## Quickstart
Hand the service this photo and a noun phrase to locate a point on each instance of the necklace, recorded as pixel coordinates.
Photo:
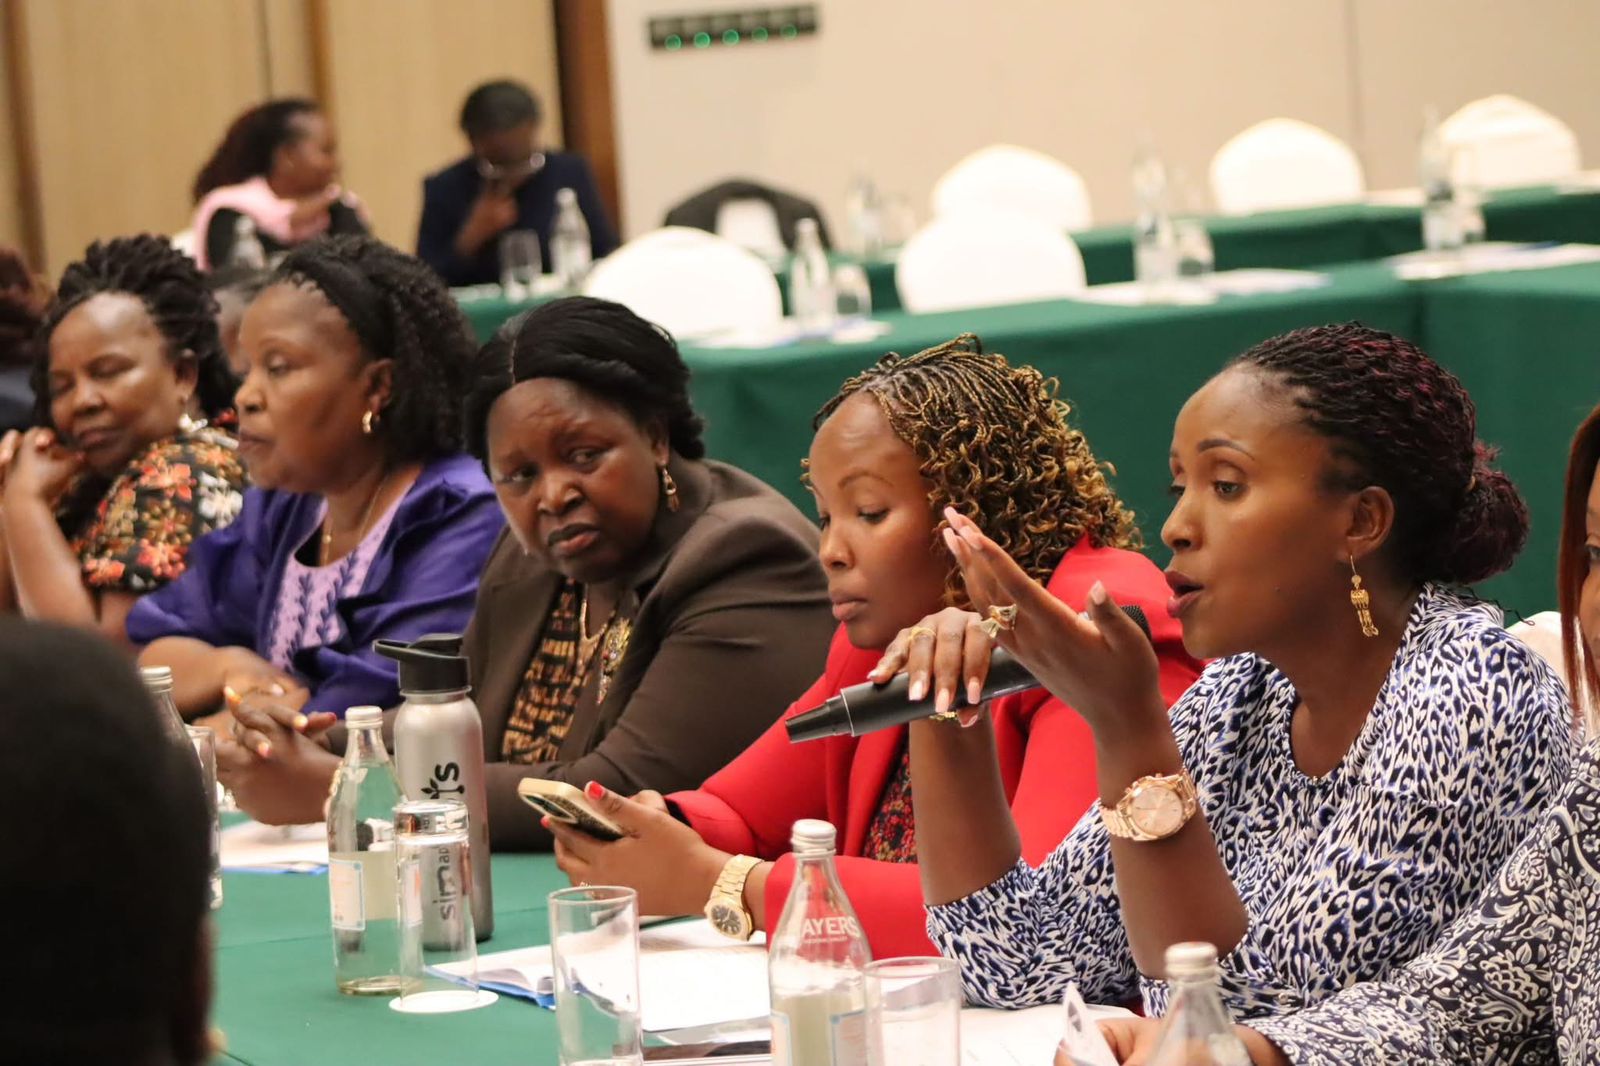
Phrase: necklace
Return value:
(587, 644)
(361, 530)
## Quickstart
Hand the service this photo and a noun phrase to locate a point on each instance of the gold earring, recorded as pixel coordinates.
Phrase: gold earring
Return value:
(669, 488)
(368, 420)
(1361, 600)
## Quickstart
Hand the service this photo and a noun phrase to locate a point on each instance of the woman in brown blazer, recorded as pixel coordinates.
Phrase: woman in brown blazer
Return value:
(647, 613)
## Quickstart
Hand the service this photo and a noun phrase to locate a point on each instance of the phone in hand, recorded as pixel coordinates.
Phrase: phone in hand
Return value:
(560, 802)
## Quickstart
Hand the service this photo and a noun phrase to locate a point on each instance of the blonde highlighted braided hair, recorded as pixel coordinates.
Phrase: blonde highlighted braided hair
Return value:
(993, 441)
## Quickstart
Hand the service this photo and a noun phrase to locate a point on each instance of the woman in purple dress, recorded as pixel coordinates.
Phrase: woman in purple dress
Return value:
(366, 520)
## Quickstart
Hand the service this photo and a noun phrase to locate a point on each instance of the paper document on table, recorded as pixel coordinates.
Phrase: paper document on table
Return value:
(252, 846)
(689, 975)
(1490, 257)
(1019, 1037)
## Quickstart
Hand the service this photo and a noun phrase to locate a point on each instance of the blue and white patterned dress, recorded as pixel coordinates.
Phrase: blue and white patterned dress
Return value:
(1344, 877)
(1515, 980)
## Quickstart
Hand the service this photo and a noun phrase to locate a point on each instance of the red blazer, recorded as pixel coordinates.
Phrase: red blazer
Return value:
(1046, 759)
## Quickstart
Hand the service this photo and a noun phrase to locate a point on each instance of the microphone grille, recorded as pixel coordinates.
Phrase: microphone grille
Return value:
(1137, 614)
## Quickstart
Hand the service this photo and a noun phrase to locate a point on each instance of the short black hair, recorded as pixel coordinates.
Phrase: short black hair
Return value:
(105, 881)
(399, 310)
(600, 346)
(246, 149)
(174, 294)
(498, 105)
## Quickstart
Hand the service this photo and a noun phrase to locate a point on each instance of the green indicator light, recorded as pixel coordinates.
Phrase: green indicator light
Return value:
(730, 36)
(673, 42)
(758, 34)
(790, 33)
(702, 40)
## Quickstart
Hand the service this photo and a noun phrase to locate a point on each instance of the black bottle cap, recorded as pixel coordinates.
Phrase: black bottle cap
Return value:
(429, 664)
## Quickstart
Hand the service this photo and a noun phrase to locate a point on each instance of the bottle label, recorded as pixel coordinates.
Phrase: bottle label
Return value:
(850, 1039)
(345, 895)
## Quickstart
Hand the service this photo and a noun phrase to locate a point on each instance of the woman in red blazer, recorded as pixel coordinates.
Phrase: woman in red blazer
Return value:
(948, 425)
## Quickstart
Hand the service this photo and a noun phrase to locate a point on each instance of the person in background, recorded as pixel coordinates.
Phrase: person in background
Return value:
(274, 176)
(1513, 979)
(234, 287)
(23, 298)
(508, 182)
(648, 612)
(1366, 748)
(101, 504)
(106, 879)
(951, 426)
(365, 519)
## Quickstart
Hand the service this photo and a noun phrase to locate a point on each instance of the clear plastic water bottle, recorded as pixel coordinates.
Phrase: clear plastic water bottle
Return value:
(1155, 247)
(247, 248)
(815, 958)
(158, 683)
(362, 886)
(811, 297)
(864, 209)
(1441, 214)
(570, 251)
(1197, 1030)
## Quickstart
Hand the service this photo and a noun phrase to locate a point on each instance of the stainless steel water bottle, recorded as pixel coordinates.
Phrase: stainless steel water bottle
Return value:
(438, 746)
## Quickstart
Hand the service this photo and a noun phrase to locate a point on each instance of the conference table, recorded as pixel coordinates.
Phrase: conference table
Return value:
(1305, 238)
(277, 1004)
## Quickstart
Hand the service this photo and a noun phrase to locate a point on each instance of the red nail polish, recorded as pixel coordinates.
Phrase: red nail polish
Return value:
(594, 790)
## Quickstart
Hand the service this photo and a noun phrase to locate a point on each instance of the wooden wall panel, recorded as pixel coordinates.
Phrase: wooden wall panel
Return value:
(290, 50)
(13, 224)
(126, 101)
(397, 71)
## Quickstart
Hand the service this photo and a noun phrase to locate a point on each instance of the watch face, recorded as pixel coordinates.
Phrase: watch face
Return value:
(729, 921)
(1156, 810)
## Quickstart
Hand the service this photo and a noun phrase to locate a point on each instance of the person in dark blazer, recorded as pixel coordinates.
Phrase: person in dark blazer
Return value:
(508, 182)
(647, 614)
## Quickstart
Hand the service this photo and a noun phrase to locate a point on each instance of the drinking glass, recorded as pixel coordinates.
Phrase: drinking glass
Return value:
(205, 753)
(913, 1012)
(594, 947)
(438, 951)
(520, 263)
(1196, 259)
(852, 292)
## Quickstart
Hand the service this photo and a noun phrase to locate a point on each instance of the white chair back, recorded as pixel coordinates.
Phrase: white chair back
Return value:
(753, 226)
(979, 258)
(1542, 633)
(1284, 163)
(690, 282)
(1009, 178)
(1504, 141)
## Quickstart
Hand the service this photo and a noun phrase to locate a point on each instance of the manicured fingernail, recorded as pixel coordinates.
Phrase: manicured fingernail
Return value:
(264, 750)
(301, 721)
(1097, 594)
(950, 539)
(276, 689)
(974, 691)
(594, 790)
(544, 820)
(919, 689)
(941, 702)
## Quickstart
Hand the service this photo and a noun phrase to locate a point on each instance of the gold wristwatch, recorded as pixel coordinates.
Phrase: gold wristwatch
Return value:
(1153, 808)
(725, 910)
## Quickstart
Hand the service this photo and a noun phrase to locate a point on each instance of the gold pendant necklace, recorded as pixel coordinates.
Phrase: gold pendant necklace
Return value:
(361, 530)
(587, 644)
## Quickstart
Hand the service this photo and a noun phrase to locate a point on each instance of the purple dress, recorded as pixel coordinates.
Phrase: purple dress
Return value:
(421, 576)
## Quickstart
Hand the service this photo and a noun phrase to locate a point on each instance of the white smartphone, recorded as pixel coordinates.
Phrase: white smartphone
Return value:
(563, 803)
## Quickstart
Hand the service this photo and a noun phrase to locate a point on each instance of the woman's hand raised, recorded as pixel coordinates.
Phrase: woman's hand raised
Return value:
(1099, 663)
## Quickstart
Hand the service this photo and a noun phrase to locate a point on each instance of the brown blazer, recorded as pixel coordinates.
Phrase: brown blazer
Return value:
(731, 622)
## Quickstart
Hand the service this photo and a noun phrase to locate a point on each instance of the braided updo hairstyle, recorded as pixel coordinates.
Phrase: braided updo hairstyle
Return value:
(602, 347)
(1399, 420)
(175, 296)
(993, 442)
(247, 148)
(399, 310)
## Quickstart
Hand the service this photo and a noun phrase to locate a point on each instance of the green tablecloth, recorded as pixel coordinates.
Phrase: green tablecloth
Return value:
(1315, 237)
(277, 1003)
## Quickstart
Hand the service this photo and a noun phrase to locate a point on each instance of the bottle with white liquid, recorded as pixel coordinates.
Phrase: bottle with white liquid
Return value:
(364, 900)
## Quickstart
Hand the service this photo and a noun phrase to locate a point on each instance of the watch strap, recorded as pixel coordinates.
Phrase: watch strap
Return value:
(1120, 824)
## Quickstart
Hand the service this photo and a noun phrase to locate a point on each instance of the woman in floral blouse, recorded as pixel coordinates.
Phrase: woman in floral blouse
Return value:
(100, 502)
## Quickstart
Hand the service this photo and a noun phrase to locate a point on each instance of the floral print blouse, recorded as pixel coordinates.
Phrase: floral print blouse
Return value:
(134, 536)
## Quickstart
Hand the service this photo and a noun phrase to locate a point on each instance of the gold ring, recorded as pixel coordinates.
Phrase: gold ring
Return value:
(1004, 616)
(919, 631)
(990, 627)
(944, 716)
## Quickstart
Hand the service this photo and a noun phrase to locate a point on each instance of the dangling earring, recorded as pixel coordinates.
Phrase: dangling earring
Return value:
(669, 488)
(1361, 600)
(368, 421)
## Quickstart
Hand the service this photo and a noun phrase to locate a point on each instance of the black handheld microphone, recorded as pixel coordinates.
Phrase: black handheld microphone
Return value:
(867, 707)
